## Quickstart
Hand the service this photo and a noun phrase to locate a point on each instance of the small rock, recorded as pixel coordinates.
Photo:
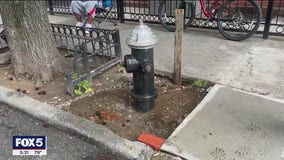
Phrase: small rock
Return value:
(92, 118)
(209, 89)
(263, 92)
(38, 84)
(27, 76)
(156, 154)
(98, 84)
(120, 70)
(165, 91)
(179, 120)
(177, 89)
(185, 115)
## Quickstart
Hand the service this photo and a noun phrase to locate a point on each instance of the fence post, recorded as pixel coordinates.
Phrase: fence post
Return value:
(50, 6)
(117, 48)
(179, 14)
(120, 6)
(268, 19)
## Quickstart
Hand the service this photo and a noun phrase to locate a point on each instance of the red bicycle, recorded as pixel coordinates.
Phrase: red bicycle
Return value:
(236, 19)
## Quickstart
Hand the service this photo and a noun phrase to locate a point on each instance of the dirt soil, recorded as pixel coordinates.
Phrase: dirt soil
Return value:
(110, 103)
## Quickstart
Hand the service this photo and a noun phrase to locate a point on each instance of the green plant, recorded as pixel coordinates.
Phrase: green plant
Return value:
(42, 82)
(74, 75)
(200, 83)
(83, 87)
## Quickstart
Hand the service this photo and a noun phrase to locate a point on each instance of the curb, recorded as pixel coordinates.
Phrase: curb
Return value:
(100, 136)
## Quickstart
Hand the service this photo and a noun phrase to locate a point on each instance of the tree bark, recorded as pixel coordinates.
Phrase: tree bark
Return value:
(33, 49)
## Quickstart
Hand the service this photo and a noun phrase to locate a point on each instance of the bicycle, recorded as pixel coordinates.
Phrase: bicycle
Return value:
(236, 19)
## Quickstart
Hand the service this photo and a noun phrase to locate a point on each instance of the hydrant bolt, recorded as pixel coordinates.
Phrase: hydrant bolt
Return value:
(147, 68)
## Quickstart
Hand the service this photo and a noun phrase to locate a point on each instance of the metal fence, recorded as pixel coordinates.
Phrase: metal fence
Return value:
(92, 51)
(133, 10)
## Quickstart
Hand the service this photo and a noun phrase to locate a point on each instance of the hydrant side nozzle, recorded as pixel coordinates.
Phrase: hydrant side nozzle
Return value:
(130, 63)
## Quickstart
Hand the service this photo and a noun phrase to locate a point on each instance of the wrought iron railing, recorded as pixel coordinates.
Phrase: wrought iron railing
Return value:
(133, 10)
(93, 51)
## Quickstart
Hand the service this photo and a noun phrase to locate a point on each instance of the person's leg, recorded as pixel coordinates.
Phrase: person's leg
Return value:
(91, 11)
(90, 19)
(77, 8)
(78, 17)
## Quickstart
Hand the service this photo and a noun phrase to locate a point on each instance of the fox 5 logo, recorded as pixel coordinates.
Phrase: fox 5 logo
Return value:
(29, 142)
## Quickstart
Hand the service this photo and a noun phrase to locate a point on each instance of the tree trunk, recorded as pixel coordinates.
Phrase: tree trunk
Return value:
(33, 49)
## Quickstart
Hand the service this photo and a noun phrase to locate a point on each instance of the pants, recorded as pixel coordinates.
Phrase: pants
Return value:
(85, 8)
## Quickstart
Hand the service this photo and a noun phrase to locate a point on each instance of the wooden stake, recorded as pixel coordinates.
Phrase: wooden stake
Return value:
(178, 46)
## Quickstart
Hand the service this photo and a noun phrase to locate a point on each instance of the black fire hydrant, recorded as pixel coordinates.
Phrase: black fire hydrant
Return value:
(140, 63)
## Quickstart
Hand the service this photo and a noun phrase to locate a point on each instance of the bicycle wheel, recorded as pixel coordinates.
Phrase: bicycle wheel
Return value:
(238, 19)
(166, 13)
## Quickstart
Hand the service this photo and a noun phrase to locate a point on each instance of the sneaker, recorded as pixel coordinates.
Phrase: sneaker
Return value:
(79, 24)
(88, 28)
(88, 25)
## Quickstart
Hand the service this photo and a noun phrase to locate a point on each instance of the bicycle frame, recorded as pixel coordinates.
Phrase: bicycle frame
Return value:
(216, 5)
(204, 10)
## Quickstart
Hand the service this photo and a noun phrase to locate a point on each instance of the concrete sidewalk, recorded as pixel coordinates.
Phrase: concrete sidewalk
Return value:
(254, 65)
(230, 124)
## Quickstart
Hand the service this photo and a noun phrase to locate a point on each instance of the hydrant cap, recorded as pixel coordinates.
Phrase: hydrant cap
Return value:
(142, 37)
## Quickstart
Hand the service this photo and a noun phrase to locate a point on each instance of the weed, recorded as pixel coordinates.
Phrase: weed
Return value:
(74, 75)
(200, 83)
(42, 82)
(83, 87)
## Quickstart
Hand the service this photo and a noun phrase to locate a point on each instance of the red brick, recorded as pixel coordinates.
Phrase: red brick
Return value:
(151, 140)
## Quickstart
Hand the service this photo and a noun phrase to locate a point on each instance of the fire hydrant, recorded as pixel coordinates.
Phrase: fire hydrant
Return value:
(140, 63)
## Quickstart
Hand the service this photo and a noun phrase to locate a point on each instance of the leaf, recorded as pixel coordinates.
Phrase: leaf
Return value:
(78, 92)
(89, 90)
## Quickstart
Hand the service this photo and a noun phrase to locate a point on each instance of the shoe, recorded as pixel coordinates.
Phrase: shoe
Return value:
(88, 28)
(79, 24)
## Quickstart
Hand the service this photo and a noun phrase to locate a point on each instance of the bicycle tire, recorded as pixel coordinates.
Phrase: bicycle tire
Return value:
(247, 17)
(169, 22)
